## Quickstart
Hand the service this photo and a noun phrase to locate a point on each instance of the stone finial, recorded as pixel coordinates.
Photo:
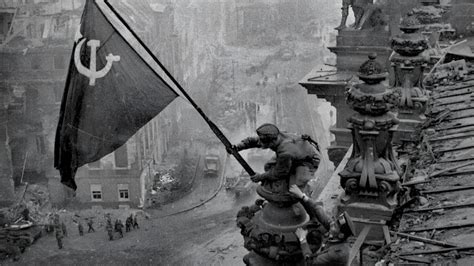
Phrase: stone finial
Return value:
(410, 23)
(371, 71)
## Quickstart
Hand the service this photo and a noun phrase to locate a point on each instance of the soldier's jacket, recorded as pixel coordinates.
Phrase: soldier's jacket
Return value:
(292, 152)
(109, 226)
(59, 232)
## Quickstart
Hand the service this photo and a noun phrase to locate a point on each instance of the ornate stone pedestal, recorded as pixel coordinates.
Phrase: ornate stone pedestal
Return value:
(353, 47)
(371, 176)
(269, 232)
(408, 65)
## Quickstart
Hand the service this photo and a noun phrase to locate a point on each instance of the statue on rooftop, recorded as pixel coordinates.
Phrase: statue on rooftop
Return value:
(366, 14)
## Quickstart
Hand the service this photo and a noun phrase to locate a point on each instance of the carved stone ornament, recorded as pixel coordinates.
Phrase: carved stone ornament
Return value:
(411, 42)
(408, 65)
(372, 170)
(371, 71)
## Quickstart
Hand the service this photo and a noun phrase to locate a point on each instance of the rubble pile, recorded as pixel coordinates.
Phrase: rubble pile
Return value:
(449, 73)
(173, 181)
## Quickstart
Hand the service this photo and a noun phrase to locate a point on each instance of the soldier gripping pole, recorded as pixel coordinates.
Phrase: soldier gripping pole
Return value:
(213, 126)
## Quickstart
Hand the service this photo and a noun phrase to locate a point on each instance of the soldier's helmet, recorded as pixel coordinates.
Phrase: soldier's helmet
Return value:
(267, 132)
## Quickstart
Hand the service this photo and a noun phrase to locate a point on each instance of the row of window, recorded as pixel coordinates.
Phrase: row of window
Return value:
(122, 192)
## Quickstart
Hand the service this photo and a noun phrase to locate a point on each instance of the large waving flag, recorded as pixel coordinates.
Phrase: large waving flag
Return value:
(114, 87)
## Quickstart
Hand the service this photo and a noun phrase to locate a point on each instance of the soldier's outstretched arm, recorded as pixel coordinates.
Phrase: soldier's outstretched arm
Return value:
(248, 143)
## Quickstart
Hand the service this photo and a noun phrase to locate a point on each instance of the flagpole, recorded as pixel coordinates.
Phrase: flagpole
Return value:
(213, 126)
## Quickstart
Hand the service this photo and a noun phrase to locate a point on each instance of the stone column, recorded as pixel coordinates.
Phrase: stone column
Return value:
(6, 181)
(371, 176)
(408, 64)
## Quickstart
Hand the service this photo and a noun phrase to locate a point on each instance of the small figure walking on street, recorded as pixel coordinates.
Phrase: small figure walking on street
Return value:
(80, 228)
(63, 227)
(110, 231)
(119, 227)
(135, 222)
(25, 213)
(128, 224)
(59, 236)
(90, 223)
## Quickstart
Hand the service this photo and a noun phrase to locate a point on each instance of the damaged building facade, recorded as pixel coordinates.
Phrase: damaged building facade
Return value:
(36, 43)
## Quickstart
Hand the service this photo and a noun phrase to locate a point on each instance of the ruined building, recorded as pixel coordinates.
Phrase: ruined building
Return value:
(36, 44)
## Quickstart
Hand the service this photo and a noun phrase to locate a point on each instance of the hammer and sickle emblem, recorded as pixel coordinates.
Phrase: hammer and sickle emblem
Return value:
(91, 72)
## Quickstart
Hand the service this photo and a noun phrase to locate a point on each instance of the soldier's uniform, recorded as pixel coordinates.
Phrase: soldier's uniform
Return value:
(110, 231)
(90, 224)
(128, 224)
(135, 222)
(119, 227)
(26, 214)
(63, 227)
(80, 228)
(59, 236)
(296, 157)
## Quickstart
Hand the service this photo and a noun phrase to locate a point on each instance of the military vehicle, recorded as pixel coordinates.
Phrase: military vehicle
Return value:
(21, 234)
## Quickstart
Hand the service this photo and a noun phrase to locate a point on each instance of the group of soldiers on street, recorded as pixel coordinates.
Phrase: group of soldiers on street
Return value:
(130, 222)
(60, 229)
(90, 226)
